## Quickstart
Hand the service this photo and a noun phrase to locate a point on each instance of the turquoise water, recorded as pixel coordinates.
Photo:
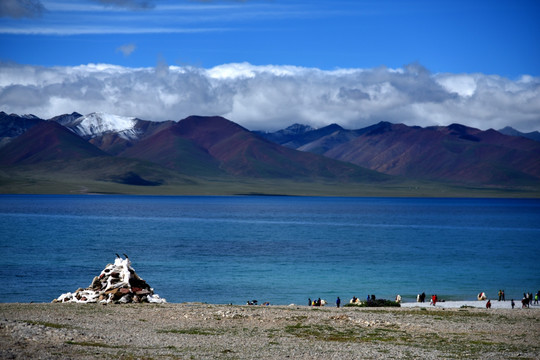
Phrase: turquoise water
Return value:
(277, 249)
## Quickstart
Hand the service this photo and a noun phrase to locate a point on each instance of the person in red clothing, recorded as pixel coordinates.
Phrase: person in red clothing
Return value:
(433, 300)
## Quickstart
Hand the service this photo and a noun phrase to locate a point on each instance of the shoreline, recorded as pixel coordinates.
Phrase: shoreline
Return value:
(443, 304)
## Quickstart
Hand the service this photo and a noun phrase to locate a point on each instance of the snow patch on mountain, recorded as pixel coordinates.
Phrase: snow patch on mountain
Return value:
(298, 129)
(96, 124)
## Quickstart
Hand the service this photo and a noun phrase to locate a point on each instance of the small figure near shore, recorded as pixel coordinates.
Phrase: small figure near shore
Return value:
(488, 304)
(524, 302)
(338, 302)
(500, 295)
(309, 302)
(503, 299)
(398, 298)
(513, 303)
(433, 300)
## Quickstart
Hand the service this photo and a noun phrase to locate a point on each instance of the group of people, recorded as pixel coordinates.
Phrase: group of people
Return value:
(528, 299)
(422, 298)
(354, 300)
(317, 302)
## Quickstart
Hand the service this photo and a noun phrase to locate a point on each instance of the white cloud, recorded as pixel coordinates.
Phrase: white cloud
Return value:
(100, 30)
(128, 4)
(272, 97)
(126, 49)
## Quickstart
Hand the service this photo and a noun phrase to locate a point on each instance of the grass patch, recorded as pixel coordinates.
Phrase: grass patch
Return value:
(448, 314)
(193, 331)
(48, 324)
(351, 334)
(95, 344)
(452, 345)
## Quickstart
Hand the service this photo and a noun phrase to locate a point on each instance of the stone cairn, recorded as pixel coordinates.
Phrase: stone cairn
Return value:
(117, 283)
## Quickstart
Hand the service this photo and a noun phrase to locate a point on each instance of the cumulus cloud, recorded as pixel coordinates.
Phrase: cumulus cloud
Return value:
(126, 49)
(272, 97)
(21, 8)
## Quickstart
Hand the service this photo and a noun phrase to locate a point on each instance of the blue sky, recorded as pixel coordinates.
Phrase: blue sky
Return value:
(461, 47)
(492, 37)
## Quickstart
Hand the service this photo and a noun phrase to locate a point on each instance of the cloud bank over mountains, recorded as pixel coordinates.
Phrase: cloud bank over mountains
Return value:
(272, 97)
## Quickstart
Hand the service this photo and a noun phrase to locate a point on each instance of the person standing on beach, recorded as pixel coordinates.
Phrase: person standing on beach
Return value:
(513, 303)
(338, 302)
(500, 295)
(503, 296)
(488, 304)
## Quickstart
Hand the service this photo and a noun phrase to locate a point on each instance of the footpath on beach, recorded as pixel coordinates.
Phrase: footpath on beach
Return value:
(495, 304)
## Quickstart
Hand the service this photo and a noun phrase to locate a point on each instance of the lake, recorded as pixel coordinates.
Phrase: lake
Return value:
(230, 249)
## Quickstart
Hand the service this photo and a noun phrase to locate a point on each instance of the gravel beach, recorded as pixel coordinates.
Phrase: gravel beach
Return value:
(204, 331)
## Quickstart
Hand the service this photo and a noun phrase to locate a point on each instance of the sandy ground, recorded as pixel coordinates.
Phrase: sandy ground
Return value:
(475, 304)
(203, 331)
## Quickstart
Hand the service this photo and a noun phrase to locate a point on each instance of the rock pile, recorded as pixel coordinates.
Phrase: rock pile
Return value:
(117, 283)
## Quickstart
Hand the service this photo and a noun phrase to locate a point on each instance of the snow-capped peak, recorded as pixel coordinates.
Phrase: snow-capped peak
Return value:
(98, 123)
(298, 129)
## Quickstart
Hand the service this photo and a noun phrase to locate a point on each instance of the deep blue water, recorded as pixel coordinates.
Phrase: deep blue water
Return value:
(277, 249)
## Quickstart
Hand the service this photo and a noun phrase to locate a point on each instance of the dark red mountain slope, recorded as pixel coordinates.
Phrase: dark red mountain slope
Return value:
(243, 153)
(169, 149)
(44, 142)
(452, 153)
(218, 142)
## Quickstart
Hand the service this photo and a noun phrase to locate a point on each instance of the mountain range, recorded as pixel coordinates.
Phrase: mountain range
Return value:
(454, 153)
(107, 153)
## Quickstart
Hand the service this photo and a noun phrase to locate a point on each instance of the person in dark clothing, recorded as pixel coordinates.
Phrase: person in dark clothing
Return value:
(338, 302)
